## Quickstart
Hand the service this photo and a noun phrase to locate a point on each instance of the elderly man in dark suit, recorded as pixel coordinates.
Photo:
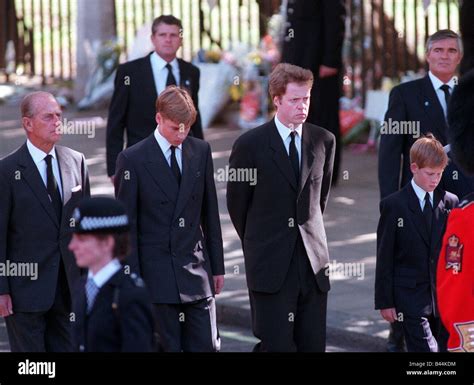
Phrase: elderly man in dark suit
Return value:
(420, 107)
(139, 82)
(167, 184)
(40, 184)
(279, 217)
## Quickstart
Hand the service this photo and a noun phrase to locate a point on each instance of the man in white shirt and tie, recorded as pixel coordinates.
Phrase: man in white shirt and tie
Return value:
(139, 82)
(40, 184)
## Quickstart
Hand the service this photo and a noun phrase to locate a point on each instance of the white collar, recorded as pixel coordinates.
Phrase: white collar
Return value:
(420, 193)
(437, 83)
(104, 274)
(37, 154)
(285, 131)
(160, 63)
(163, 142)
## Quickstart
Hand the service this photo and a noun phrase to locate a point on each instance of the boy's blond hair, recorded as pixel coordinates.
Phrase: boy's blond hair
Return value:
(427, 151)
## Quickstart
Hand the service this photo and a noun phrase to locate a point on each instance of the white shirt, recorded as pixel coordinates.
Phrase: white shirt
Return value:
(38, 158)
(104, 274)
(166, 149)
(160, 72)
(420, 193)
(285, 136)
(439, 92)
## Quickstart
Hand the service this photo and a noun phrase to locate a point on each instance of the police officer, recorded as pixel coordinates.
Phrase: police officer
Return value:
(112, 309)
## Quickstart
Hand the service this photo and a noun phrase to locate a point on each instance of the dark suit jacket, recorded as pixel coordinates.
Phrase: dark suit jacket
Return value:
(127, 328)
(414, 101)
(29, 228)
(317, 28)
(262, 214)
(455, 180)
(176, 233)
(133, 105)
(406, 256)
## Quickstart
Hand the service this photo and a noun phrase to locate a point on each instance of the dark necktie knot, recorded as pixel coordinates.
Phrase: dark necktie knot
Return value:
(447, 95)
(170, 80)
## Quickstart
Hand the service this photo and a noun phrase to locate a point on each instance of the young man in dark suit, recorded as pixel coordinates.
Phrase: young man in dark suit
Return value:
(139, 82)
(112, 309)
(409, 234)
(166, 181)
(421, 103)
(40, 184)
(279, 217)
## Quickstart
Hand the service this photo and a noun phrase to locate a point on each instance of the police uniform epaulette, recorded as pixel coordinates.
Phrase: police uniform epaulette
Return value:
(467, 201)
(137, 280)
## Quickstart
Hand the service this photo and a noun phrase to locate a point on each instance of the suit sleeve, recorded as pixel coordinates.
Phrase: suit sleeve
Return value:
(391, 147)
(126, 190)
(136, 322)
(239, 193)
(386, 233)
(5, 210)
(196, 128)
(333, 20)
(327, 175)
(210, 220)
(117, 120)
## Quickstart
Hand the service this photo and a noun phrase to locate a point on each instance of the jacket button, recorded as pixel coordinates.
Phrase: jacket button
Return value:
(81, 348)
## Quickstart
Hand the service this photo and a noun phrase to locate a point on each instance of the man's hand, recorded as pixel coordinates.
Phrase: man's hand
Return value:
(112, 179)
(218, 283)
(325, 72)
(389, 314)
(6, 307)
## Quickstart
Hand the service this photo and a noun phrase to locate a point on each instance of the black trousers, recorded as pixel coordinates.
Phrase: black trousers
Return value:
(46, 331)
(294, 318)
(188, 327)
(425, 334)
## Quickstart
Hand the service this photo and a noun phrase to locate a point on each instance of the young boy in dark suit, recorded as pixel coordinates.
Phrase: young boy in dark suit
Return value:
(409, 234)
(113, 309)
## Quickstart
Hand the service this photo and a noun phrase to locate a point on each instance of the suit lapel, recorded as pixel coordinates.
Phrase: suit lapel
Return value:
(159, 169)
(438, 216)
(280, 156)
(29, 172)
(65, 169)
(184, 77)
(307, 156)
(433, 109)
(188, 178)
(148, 81)
(416, 213)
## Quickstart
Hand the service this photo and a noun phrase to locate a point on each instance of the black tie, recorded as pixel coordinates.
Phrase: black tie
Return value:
(170, 80)
(174, 165)
(428, 212)
(52, 186)
(294, 156)
(447, 95)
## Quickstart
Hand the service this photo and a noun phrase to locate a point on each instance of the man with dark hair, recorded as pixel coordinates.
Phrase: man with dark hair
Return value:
(279, 217)
(139, 82)
(166, 181)
(40, 184)
(113, 309)
(419, 106)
